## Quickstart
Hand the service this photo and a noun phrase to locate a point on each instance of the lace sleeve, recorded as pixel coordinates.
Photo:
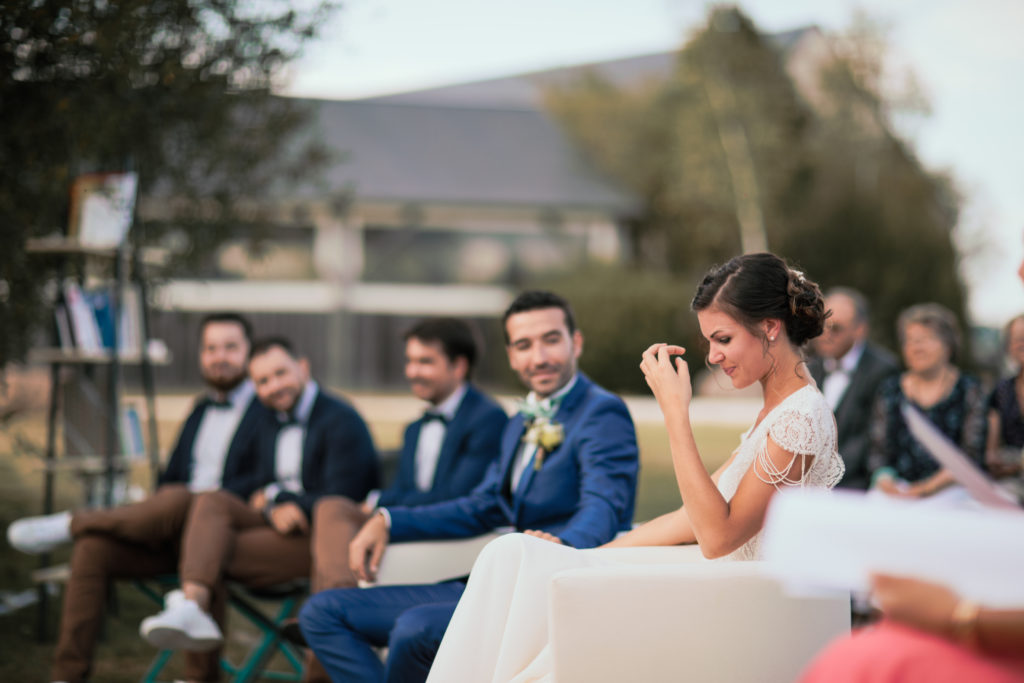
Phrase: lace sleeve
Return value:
(802, 434)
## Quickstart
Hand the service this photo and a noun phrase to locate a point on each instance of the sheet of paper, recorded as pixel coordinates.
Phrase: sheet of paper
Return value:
(818, 540)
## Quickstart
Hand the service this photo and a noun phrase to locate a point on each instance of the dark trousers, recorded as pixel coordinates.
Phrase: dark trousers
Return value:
(343, 626)
(135, 541)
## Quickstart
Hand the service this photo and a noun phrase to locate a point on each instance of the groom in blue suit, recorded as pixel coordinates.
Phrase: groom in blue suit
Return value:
(567, 472)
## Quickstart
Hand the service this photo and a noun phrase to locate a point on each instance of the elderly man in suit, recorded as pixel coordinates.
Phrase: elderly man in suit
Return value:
(848, 370)
(567, 470)
(319, 445)
(216, 449)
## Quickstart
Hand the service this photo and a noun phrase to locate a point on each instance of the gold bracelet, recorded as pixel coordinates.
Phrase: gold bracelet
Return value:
(964, 622)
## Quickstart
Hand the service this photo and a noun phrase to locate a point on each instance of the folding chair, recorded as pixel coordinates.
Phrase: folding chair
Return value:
(244, 601)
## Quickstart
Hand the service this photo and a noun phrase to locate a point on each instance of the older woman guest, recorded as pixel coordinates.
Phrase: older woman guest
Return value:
(954, 401)
(1005, 419)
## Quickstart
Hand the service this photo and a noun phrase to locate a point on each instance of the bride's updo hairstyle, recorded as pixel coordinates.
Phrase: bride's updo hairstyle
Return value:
(755, 287)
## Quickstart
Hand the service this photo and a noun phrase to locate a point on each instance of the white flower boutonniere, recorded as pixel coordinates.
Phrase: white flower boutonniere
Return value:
(546, 435)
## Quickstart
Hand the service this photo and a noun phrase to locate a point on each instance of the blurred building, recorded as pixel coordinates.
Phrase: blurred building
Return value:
(440, 202)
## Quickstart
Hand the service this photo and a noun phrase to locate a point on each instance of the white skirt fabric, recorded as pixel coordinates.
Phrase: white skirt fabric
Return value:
(499, 631)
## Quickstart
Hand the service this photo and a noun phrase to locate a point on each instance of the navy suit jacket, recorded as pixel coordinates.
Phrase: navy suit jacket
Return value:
(241, 466)
(472, 441)
(583, 493)
(855, 410)
(338, 457)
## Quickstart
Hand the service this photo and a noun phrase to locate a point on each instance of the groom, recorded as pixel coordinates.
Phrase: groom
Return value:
(567, 471)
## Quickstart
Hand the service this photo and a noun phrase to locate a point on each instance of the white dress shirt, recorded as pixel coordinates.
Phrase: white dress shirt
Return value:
(839, 375)
(528, 450)
(288, 448)
(213, 438)
(431, 438)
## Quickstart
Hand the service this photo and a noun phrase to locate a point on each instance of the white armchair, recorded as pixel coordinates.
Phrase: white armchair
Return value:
(429, 561)
(697, 621)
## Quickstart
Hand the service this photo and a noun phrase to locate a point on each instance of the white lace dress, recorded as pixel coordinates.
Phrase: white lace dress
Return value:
(499, 630)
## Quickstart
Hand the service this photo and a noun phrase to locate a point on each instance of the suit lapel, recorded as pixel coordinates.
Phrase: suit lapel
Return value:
(567, 415)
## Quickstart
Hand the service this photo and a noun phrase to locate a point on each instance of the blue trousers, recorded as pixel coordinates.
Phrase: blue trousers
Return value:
(343, 625)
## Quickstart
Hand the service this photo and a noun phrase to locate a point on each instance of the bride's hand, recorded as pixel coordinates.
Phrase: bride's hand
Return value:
(670, 385)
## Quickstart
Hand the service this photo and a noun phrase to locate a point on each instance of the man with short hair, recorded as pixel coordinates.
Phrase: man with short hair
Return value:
(319, 446)
(445, 453)
(848, 370)
(567, 472)
(217, 449)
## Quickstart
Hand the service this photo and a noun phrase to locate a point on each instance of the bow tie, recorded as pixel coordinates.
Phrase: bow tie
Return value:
(531, 410)
(287, 420)
(217, 403)
(430, 416)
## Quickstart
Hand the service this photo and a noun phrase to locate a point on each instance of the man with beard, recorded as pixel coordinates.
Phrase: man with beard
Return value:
(320, 446)
(566, 472)
(217, 449)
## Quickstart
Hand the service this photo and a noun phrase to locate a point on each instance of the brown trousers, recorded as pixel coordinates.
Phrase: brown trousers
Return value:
(128, 542)
(225, 538)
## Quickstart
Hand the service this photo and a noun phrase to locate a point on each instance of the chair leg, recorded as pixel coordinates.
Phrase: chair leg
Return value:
(253, 666)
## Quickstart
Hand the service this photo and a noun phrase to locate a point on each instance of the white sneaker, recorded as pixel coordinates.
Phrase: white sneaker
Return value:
(182, 625)
(37, 535)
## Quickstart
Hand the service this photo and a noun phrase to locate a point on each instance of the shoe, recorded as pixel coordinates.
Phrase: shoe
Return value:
(38, 535)
(291, 632)
(182, 625)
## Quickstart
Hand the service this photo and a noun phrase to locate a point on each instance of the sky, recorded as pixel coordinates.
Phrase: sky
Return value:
(967, 56)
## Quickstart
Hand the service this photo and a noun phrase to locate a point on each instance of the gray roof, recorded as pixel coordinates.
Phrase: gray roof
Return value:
(525, 91)
(414, 153)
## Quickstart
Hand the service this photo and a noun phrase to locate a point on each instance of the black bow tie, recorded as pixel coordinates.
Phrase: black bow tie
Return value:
(430, 416)
(216, 403)
(287, 420)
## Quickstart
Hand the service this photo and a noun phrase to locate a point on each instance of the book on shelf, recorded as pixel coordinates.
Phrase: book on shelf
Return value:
(91, 324)
(84, 326)
(132, 443)
(67, 342)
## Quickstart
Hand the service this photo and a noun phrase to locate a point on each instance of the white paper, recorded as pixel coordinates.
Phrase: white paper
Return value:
(834, 540)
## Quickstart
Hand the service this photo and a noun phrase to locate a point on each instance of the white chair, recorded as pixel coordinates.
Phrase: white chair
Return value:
(429, 561)
(696, 621)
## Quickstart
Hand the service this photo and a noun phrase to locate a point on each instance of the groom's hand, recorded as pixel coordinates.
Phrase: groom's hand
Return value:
(366, 549)
(545, 535)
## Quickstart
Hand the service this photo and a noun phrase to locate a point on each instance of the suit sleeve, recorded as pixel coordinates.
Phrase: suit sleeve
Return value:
(252, 456)
(178, 469)
(480, 447)
(609, 462)
(401, 486)
(478, 512)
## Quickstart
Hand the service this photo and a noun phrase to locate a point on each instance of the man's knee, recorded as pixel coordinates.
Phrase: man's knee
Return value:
(91, 555)
(323, 612)
(212, 502)
(419, 630)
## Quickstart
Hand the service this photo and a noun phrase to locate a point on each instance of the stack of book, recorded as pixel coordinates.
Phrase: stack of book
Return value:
(85, 320)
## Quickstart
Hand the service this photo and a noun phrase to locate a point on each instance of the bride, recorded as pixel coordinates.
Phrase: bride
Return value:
(756, 313)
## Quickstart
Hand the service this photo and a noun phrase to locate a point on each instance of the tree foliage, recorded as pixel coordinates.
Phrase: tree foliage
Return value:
(176, 90)
(726, 142)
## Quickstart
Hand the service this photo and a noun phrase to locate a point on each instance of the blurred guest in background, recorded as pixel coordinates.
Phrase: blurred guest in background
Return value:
(930, 340)
(1005, 420)
(848, 370)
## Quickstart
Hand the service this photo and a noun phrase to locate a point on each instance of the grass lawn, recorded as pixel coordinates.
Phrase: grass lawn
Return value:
(123, 656)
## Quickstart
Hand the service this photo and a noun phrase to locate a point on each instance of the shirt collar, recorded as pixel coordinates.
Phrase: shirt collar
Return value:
(304, 406)
(448, 407)
(848, 363)
(554, 398)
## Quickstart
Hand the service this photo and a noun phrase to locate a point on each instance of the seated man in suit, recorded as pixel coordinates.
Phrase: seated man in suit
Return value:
(216, 449)
(848, 370)
(445, 453)
(319, 445)
(567, 471)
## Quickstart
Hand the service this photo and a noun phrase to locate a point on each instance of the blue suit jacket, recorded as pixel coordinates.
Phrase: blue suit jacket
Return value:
(472, 441)
(584, 493)
(241, 466)
(338, 457)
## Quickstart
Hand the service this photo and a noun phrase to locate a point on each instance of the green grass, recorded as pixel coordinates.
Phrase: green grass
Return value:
(123, 656)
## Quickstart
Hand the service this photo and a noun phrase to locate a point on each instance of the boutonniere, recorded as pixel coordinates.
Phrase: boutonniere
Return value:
(546, 435)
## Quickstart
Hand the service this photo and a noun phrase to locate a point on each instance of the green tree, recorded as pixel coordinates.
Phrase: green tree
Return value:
(725, 148)
(176, 90)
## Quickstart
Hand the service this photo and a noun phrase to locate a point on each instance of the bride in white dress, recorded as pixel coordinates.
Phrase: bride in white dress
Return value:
(756, 314)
